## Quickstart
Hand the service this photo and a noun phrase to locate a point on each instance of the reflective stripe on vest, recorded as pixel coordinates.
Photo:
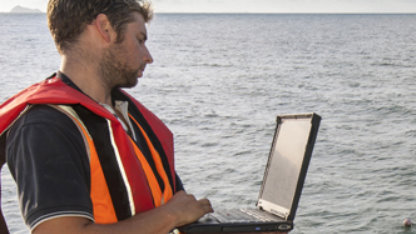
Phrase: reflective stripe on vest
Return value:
(103, 209)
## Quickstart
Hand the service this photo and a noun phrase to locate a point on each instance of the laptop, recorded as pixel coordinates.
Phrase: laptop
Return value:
(283, 180)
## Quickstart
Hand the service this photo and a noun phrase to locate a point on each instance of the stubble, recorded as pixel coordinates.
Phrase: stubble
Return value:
(115, 71)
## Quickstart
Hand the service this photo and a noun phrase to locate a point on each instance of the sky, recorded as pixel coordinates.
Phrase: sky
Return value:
(257, 6)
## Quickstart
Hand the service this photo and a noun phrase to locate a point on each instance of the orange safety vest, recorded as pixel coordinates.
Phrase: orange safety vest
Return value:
(138, 179)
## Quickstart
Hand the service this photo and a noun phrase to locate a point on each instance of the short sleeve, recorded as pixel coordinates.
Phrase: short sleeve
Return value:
(179, 184)
(47, 158)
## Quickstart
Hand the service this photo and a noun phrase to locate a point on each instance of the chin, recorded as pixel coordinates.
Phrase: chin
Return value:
(130, 83)
(129, 80)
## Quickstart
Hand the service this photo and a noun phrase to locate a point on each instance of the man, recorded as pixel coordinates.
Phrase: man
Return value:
(86, 156)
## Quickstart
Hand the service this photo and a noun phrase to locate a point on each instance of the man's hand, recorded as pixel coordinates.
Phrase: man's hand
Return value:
(186, 208)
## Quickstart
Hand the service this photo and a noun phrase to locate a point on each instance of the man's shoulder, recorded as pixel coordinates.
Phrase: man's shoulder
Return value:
(43, 129)
(43, 114)
(44, 119)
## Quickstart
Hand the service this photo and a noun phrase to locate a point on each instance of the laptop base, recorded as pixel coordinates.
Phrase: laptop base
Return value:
(284, 226)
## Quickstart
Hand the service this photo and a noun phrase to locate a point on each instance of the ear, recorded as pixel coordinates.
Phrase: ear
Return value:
(104, 28)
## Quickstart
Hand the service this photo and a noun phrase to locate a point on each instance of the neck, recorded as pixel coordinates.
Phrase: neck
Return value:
(85, 74)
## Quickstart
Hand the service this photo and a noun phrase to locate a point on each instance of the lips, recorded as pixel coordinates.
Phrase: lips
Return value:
(142, 67)
(140, 71)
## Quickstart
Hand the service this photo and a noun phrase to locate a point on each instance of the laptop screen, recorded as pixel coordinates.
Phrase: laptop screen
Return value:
(290, 145)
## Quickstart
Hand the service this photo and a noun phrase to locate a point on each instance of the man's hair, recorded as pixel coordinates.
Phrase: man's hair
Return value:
(67, 19)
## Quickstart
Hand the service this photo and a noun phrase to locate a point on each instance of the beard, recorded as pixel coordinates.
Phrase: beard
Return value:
(114, 72)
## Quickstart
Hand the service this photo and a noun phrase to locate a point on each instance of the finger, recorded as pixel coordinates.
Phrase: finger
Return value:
(204, 201)
(206, 205)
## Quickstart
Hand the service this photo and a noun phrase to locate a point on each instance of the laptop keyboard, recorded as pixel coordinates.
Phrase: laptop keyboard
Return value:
(242, 215)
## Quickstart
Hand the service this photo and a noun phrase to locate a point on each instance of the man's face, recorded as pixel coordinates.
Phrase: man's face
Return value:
(123, 63)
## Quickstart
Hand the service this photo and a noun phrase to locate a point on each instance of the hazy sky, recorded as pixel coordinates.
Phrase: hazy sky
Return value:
(313, 6)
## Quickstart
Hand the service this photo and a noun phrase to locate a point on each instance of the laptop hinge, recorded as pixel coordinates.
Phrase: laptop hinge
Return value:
(273, 208)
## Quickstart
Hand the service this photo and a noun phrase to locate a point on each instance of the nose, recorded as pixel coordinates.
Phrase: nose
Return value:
(148, 57)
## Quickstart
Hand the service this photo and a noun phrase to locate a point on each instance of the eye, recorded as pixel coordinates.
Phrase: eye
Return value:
(141, 39)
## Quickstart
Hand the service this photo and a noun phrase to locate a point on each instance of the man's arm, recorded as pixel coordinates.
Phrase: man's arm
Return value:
(180, 210)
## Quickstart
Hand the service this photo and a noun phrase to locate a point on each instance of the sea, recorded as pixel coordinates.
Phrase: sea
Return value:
(219, 80)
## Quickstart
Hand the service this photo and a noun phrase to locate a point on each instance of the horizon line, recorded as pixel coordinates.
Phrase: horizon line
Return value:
(246, 12)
